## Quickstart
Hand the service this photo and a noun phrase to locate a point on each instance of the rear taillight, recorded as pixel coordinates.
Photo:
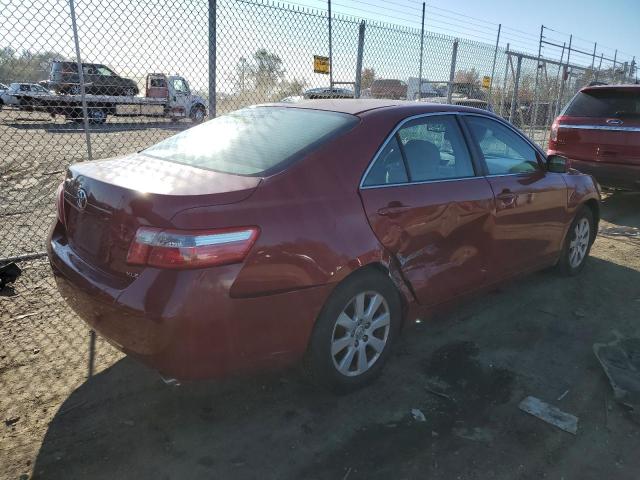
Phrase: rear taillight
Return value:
(191, 249)
(60, 203)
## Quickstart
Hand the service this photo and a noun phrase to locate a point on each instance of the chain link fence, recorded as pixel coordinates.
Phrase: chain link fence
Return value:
(97, 78)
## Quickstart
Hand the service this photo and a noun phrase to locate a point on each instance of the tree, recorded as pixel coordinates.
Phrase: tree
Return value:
(289, 88)
(26, 66)
(367, 77)
(467, 76)
(266, 71)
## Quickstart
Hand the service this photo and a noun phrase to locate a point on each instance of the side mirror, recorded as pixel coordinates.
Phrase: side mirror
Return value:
(557, 164)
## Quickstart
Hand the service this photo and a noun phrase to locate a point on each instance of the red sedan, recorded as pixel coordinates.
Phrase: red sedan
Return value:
(313, 230)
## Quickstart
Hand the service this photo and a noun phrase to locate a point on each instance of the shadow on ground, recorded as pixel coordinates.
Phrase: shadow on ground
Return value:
(622, 208)
(466, 371)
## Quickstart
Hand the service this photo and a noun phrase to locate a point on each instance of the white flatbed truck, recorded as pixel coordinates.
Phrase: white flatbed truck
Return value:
(165, 96)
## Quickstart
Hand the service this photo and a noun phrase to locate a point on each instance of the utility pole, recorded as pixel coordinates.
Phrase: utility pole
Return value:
(212, 58)
(330, 48)
(421, 53)
(495, 57)
(535, 88)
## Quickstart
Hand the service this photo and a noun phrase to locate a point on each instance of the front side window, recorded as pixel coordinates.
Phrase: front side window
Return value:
(179, 86)
(253, 140)
(504, 151)
(435, 149)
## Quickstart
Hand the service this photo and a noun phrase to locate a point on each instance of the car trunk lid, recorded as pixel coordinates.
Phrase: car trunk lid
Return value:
(108, 200)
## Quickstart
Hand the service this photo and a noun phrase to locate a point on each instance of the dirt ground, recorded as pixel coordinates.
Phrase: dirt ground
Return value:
(532, 337)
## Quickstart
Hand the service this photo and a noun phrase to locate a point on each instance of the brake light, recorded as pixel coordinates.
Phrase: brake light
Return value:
(60, 203)
(191, 249)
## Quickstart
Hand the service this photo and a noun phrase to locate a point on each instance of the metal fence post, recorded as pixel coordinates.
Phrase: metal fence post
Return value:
(535, 87)
(593, 58)
(212, 58)
(599, 66)
(561, 94)
(514, 98)
(452, 73)
(504, 83)
(560, 68)
(330, 47)
(421, 54)
(615, 57)
(76, 41)
(358, 85)
(495, 57)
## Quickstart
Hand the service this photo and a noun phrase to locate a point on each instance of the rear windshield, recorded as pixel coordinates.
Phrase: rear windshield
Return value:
(253, 140)
(605, 103)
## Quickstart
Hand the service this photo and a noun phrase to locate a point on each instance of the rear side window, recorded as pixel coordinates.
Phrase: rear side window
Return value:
(604, 103)
(435, 150)
(389, 166)
(253, 140)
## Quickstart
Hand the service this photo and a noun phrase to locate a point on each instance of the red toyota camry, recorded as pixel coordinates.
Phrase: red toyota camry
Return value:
(313, 230)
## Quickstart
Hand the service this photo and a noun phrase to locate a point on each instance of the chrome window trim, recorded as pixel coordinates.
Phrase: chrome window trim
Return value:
(388, 139)
(599, 127)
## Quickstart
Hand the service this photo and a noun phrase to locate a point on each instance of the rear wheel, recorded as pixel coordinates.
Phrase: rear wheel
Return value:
(354, 332)
(129, 92)
(97, 115)
(578, 243)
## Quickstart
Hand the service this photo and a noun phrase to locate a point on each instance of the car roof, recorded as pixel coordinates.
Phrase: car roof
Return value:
(362, 105)
(631, 87)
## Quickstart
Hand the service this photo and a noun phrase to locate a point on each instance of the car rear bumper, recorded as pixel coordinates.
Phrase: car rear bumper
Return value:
(615, 175)
(184, 323)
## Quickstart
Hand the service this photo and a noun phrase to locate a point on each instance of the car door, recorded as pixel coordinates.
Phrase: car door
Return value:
(429, 207)
(531, 203)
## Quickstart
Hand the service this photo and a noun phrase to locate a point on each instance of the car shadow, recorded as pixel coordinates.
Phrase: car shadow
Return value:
(622, 208)
(466, 372)
(116, 127)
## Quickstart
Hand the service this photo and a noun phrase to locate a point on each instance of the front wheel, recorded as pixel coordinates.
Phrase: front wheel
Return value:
(578, 243)
(197, 114)
(354, 332)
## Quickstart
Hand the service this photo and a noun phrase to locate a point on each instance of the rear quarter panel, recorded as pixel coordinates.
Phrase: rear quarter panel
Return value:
(313, 227)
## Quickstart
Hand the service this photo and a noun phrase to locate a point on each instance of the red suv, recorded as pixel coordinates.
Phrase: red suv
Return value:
(599, 131)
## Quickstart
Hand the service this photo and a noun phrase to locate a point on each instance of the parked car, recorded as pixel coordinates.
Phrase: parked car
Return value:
(215, 251)
(10, 96)
(462, 94)
(389, 88)
(315, 93)
(99, 80)
(599, 131)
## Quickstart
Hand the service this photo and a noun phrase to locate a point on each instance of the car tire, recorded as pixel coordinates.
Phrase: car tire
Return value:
(577, 244)
(74, 90)
(350, 343)
(197, 114)
(129, 92)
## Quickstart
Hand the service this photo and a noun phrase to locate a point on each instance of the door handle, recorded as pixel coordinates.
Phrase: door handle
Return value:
(393, 209)
(507, 198)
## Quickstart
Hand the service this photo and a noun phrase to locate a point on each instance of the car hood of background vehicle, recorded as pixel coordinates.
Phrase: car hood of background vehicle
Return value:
(150, 175)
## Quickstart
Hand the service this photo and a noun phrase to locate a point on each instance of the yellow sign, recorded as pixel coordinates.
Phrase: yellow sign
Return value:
(486, 81)
(321, 64)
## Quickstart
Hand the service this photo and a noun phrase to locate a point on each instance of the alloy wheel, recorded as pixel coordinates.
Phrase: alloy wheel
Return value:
(579, 243)
(360, 333)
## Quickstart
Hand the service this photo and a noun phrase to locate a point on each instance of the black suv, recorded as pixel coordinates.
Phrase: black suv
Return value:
(99, 80)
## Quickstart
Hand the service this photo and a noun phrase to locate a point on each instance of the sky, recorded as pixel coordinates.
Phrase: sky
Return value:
(171, 36)
(613, 24)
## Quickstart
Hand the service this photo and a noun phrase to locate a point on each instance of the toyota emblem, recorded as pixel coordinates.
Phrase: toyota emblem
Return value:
(81, 199)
